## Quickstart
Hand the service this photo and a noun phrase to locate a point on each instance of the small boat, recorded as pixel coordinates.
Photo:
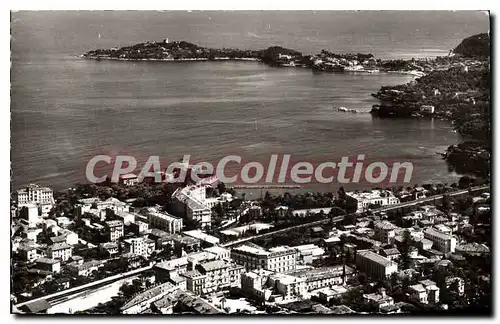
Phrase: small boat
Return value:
(344, 109)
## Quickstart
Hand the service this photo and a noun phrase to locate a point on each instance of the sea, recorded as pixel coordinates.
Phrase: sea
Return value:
(65, 110)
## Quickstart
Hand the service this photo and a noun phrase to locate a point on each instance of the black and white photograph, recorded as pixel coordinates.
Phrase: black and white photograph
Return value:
(251, 162)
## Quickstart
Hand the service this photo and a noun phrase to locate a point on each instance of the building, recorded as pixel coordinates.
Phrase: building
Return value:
(327, 294)
(164, 222)
(443, 229)
(375, 265)
(50, 265)
(322, 277)
(143, 300)
(281, 211)
(84, 269)
(219, 275)
(190, 202)
(473, 249)
(129, 179)
(254, 212)
(441, 242)
(34, 193)
(427, 109)
(384, 231)
(309, 252)
(115, 230)
(110, 248)
(418, 293)
(195, 281)
(425, 292)
(219, 252)
(379, 299)
(126, 217)
(61, 251)
(139, 227)
(29, 212)
(278, 259)
(361, 201)
(166, 270)
(209, 240)
(27, 253)
(253, 284)
(161, 238)
(139, 245)
(460, 284)
(391, 254)
(70, 237)
(185, 243)
(289, 287)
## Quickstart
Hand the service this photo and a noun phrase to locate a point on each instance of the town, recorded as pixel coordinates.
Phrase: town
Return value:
(200, 247)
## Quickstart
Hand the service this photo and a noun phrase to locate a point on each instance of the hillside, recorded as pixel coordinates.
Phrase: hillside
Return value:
(474, 46)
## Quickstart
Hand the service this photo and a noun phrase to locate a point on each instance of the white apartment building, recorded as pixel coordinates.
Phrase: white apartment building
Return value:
(289, 287)
(33, 193)
(191, 202)
(115, 229)
(431, 289)
(375, 265)
(278, 259)
(61, 251)
(139, 245)
(219, 275)
(322, 277)
(165, 222)
(442, 242)
(363, 200)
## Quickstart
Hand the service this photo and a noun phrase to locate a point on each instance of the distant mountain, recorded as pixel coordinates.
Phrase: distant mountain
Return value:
(474, 46)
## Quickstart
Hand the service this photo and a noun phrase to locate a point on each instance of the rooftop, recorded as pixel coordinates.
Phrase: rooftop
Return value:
(321, 273)
(418, 288)
(375, 257)
(148, 294)
(158, 232)
(214, 265)
(192, 274)
(392, 251)
(436, 233)
(373, 194)
(216, 250)
(251, 249)
(59, 246)
(202, 236)
(114, 223)
(385, 225)
(47, 261)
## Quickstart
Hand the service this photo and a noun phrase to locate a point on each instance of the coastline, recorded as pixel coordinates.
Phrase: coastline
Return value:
(243, 59)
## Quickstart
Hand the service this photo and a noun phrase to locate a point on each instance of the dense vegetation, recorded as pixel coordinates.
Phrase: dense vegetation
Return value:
(458, 89)
(474, 46)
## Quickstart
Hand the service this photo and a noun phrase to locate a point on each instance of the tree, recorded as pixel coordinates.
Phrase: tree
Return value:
(405, 250)
(221, 187)
(447, 205)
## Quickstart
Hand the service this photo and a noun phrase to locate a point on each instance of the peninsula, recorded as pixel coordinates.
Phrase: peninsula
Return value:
(276, 56)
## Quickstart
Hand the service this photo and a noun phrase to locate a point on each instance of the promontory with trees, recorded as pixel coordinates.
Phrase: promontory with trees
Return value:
(460, 91)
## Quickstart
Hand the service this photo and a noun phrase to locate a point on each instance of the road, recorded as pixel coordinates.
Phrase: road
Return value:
(340, 218)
